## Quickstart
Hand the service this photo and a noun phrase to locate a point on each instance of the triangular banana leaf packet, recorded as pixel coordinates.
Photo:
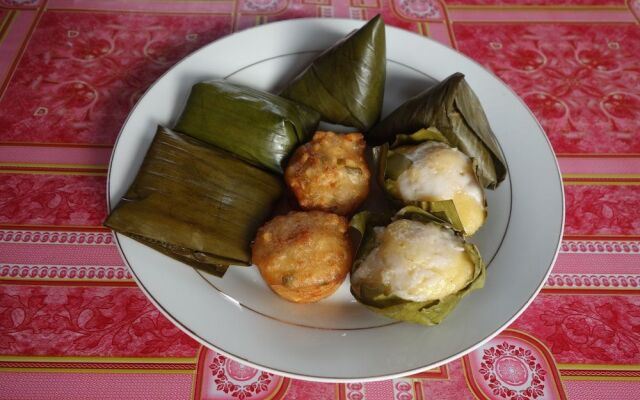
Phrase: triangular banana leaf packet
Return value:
(259, 127)
(196, 203)
(346, 82)
(391, 164)
(453, 109)
(378, 297)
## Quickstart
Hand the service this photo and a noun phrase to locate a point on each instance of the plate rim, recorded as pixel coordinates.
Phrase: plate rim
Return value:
(294, 375)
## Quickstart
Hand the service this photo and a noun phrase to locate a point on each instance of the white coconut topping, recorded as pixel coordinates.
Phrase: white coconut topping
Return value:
(438, 172)
(416, 261)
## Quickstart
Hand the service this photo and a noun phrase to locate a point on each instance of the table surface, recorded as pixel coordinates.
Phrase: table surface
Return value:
(73, 323)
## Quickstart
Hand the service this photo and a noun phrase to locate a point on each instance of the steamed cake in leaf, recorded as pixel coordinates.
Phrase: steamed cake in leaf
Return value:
(346, 82)
(257, 126)
(422, 169)
(413, 267)
(196, 203)
(453, 109)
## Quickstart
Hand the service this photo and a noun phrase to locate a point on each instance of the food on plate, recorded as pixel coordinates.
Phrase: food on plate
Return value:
(196, 203)
(303, 256)
(330, 173)
(413, 268)
(204, 190)
(416, 261)
(440, 172)
(453, 109)
(346, 82)
(436, 177)
(257, 126)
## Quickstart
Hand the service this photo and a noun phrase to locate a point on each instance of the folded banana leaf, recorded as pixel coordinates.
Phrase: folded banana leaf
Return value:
(453, 109)
(257, 126)
(346, 82)
(196, 203)
(378, 299)
(392, 164)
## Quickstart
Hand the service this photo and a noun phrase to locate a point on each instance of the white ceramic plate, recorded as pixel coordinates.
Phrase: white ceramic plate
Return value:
(337, 339)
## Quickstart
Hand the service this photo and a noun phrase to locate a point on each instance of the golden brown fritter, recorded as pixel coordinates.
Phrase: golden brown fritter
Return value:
(330, 173)
(303, 256)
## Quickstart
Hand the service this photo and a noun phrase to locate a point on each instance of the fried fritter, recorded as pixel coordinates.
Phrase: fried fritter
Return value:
(303, 256)
(330, 173)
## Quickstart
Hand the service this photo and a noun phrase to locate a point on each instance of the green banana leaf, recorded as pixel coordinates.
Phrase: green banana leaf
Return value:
(257, 126)
(196, 203)
(346, 82)
(392, 164)
(378, 299)
(453, 109)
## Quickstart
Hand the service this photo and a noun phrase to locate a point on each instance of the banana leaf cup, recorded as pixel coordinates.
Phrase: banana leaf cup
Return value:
(453, 109)
(196, 203)
(391, 163)
(259, 127)
(346, 82)
(378, 297)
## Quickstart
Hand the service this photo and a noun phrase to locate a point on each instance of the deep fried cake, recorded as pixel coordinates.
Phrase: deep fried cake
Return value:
(330, 173)
(303, 256)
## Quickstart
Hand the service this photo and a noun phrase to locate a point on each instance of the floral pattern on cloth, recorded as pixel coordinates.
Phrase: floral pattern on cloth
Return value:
(602, 210)
(82, 73)
(221, 378)
(582, 81)
(86, 321)
(537, 2)
(513, 366)
(581, 329)
(52, 199)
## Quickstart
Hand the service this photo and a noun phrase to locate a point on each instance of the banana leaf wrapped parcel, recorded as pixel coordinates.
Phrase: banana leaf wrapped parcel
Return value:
(257, 126)
(453, 109)
(196, 203)
(412, 267)
(424, 170)
(345, 83)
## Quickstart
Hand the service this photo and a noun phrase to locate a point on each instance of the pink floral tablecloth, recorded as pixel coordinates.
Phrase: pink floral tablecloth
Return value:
(73, 323)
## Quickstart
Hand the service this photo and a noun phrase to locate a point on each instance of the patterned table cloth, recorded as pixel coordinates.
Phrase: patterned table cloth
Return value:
(73, 323)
